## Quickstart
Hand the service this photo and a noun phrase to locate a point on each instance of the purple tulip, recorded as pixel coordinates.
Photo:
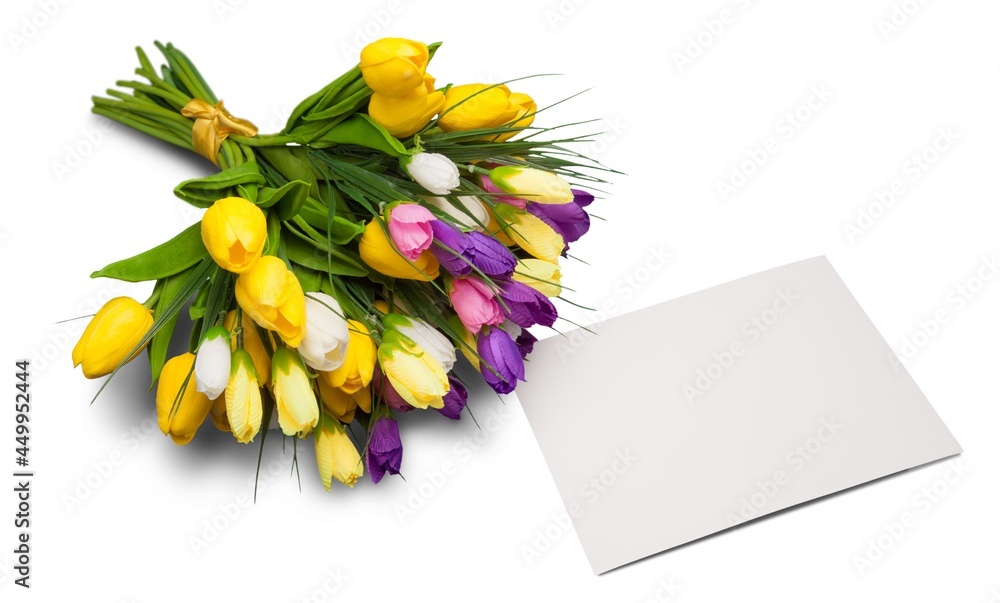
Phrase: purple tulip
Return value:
(525, 342)
(454, 400)
(501, 363)
(454, 261)
(490, 255)
(385, 451)
(465, 250)
(526, 306)
(568, 219)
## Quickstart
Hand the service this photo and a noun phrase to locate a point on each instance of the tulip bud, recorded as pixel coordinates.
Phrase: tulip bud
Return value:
(178, 414)
(359, 361)
(424, 335)
(244, 408)
(385, 451)
(336, 456)
(543, 276)
(271, 295)
(325, 342)
(413, 372)
(213, 363)
(502, 365)
(252, 343)
(298, 410)
(111, 335)
(394, 66)
(234, 231)
(378, 251)
(528, 232)
(433, 171)
(410, 229)
(537, 186)
(405, 116)
(476, 106)
(475, 303)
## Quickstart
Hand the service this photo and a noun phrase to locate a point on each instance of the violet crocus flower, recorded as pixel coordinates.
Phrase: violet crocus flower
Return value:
(459, 251)
(454, 400)
(526, 306)
(501, 363)
(385, 451)
(568, 219)
(490, 256)
(455, 247)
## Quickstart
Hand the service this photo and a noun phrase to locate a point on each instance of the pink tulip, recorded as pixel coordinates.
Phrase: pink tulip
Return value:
(410, 229)
(475, 303)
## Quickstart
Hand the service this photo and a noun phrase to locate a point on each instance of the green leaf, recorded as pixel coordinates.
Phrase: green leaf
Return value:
(273, 234)
(174, 256)
(363, 131)
(287, 200)
(312, 255)
(291, 167)
(309, 279)
(197, 308)
(169, 289)
(203, 192)
(342, 230)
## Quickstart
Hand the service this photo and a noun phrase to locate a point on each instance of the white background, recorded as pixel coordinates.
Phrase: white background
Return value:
(677, 129)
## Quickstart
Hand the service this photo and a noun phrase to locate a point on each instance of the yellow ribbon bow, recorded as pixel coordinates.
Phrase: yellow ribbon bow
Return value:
(212, 124)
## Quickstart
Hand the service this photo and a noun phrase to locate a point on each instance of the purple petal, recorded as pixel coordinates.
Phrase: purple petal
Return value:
(525, 342)
(568, 219)
(500, 353)
(526, 306)
(385, 450)
(454, 261)
(490, 255)
(454, 400)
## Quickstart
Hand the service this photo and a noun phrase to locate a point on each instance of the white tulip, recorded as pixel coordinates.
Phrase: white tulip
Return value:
(213, 363)
(473, 216)
(324, 345)
(431, 341)
(433, 171)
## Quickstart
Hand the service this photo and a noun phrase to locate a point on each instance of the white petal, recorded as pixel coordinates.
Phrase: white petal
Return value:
(212, 366)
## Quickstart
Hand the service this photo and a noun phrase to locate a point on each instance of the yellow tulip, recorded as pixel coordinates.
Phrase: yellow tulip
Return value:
(336, 455)
(251, 343)
(117, 328)
(525, 115)
(413, 372)
(408, 114)
(342, 404)
(244, 408)
(359, 361)
(180, 421)
(272, 296)
(298, 410)
(234, 231)
(528, 232)
(543, 276)
(394, 66)
(537, 186)
(476, 106)
(218, 414)
(377, 251)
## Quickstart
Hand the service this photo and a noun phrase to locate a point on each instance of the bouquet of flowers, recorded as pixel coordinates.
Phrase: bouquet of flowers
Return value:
(341, 263)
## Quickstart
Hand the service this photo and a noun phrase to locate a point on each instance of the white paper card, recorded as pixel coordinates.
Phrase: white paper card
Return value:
(685, 418)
